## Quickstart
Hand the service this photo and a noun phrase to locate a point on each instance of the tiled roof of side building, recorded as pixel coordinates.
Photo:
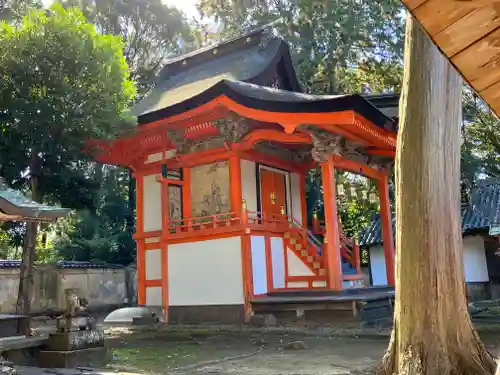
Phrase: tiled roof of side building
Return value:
(65, 264)
(482, 212)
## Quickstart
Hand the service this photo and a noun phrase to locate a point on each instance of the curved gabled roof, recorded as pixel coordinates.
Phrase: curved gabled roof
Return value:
(256, 57)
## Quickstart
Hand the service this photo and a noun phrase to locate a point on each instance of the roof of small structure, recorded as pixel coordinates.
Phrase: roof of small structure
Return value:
(14, 206)
(256, 57)
(468, 33)
(482, 212)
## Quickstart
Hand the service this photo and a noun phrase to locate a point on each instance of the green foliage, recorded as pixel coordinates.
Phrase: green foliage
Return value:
(355, 210)
(151, 32)
(14, 10)
(62, 84)
(103, 235)
(481, 140)
(329, 40)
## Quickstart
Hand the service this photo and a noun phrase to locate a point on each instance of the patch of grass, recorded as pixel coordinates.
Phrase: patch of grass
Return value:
(154, 357)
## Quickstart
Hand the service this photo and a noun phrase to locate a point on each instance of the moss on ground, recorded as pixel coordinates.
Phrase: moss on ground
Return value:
(154, 357)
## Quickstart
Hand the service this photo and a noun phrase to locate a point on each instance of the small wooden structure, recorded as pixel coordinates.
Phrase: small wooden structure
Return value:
(468, 33)
(224, 144)
(14, 206)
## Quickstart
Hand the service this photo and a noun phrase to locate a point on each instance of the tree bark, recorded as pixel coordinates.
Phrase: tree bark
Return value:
(25, 291)
(432, 332)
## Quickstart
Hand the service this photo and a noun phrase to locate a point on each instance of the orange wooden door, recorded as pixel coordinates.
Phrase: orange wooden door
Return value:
(272, 188)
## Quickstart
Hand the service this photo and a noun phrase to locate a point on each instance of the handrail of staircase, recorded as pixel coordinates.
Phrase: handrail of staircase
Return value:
(310, 236)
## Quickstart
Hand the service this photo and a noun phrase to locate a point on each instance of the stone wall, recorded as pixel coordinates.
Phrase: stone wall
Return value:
(103, 288)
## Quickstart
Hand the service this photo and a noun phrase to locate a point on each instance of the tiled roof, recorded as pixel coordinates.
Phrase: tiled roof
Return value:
(483, 211)
(65, 264)
(15, 206)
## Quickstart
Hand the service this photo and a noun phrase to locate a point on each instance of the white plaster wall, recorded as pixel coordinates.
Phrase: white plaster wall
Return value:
(475, 267)
(153, 264)
(295, 182)
(205, 273)
(296, 266)
(249, 184)
(377, 265)
(153, 296)
(152, 203)
(474, 258)
(259, 270)
(278, 262)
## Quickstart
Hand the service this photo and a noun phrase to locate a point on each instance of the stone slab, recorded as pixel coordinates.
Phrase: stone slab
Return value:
(75, 340)
(74, 358)
(77, 323)
(13, 325)
(20, 343)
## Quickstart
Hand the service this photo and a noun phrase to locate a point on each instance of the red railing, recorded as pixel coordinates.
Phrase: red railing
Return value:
(260, 220)
(204, 224)
(349, 247)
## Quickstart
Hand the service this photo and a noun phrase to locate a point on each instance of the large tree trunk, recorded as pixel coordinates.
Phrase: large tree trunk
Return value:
(25, 291)
(432, 331)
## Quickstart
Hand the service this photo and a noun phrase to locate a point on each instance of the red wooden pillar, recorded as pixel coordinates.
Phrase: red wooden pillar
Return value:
(387, 235)
(333, 262)
(141, 255)
(165, 229)
(235, 190)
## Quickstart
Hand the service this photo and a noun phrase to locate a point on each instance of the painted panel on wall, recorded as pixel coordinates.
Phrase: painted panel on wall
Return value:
(296, 267)
(475, 266)
(258, 246)
(210, 193)
(377, 265)
(175, 202)
(295, 182)
(153, 264)
(153, 296)
(205, 273)
(278, 262)
(152, 203)
(249, 184)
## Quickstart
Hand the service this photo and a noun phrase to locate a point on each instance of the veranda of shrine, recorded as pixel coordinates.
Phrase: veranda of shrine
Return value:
(220, 156)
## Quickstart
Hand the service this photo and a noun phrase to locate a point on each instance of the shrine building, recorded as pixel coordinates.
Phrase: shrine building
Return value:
(220, 155)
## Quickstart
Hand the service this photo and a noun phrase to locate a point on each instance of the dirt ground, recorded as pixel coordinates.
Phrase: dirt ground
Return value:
(228, 352)
(260, 353)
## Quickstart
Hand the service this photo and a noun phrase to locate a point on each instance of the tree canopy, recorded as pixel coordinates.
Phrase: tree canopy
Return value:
(337, 46)
(62, 84)
(151, 32)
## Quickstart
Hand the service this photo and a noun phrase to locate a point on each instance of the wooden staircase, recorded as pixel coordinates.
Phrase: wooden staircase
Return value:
(300, 242)
(308, 248)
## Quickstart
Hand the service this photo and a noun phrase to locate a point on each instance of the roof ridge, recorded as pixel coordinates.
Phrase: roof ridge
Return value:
(202, 55)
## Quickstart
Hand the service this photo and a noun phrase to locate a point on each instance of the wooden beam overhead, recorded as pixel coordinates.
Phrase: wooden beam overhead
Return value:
(468, 33)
